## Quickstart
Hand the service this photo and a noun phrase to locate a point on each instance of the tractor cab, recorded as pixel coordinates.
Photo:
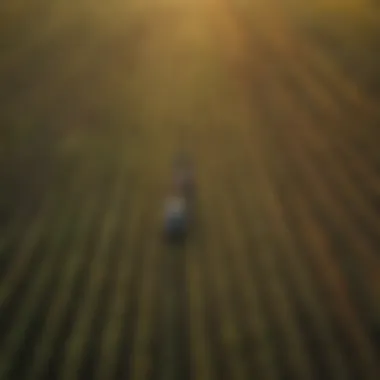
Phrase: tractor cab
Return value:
(175, 218)
(179, 204)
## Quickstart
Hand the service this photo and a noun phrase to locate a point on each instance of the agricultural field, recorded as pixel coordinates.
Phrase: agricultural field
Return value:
(278, 103)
